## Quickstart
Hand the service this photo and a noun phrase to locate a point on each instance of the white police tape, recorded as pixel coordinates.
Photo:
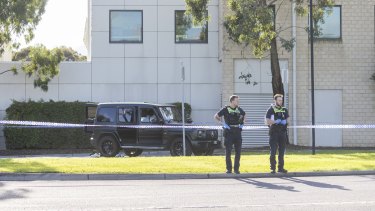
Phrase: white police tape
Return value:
(35, 124)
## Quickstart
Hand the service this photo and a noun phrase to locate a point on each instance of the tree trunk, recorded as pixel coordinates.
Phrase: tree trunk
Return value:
(277, 84)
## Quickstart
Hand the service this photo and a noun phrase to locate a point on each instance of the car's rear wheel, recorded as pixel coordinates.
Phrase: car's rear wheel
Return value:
(177, 149)
(133, 152)
(108, 146)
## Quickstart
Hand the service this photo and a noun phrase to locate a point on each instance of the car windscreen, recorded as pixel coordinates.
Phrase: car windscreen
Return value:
(170, 114)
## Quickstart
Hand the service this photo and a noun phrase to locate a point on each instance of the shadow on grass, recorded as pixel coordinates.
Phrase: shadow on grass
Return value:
(265, 185)
(315, 184)
(369, 167)
(361, 156)
(355, 153)
(8, 165)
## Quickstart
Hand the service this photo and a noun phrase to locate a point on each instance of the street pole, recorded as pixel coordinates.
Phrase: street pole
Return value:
(183, 107)
(312, 76)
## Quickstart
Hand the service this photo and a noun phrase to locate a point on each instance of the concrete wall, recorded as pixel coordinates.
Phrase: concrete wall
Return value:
(7, 55)
(72, 84)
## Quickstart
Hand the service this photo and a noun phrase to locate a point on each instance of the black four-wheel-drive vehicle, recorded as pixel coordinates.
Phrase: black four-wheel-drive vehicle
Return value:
(107, 122)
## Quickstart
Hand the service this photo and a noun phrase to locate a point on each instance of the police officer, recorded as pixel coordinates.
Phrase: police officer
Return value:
(277, 120)
(234, 118)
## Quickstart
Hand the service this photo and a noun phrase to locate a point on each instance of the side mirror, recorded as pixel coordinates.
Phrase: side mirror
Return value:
(89, 121)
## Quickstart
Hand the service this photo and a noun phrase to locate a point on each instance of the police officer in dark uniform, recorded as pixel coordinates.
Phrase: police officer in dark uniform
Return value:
(277, 120)
(234, 118)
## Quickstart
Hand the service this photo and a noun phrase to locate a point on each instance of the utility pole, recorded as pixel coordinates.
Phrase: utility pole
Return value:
(312, 76)
(183, 107)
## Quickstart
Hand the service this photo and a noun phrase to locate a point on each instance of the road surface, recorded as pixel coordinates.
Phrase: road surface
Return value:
(307, 193)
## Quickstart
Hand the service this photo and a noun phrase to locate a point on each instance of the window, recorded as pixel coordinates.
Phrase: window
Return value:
(331, 28)
(91, 111)
(126, 115)
(170, 114)
(106, 115)
(148, 115)
(126, 26)
(187, 32)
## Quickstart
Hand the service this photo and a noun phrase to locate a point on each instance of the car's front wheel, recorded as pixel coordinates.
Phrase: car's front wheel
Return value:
(177, 149)
(205, 152)
(108, 146)
(210, 151)
(133, 152)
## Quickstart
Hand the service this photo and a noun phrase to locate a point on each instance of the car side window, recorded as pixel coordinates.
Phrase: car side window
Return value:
(106, 115)
(126, 115)
(148, 115)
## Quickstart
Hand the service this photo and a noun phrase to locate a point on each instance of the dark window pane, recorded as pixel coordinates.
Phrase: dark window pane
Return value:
(148, 115)
(186, 31)
(126, 26)
(106, 115)
(331, 28)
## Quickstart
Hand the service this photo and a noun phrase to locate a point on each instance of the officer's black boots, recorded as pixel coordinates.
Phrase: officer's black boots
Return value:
(284, 171)
(236, 172)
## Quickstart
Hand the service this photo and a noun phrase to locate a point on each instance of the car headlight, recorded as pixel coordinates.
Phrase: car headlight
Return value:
(212, 134)
(201, 134)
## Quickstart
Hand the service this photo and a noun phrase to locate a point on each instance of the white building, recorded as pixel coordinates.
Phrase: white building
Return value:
(135, 54)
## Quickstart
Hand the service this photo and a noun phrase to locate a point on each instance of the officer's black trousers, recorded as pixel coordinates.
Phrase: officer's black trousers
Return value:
(233, 137)
(277, 141)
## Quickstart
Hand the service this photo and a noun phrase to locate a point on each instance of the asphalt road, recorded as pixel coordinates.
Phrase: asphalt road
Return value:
(307, 193)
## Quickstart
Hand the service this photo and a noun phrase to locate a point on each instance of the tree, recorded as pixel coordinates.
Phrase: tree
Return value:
(69, 54)
(252, 23)
(19, 18)
(42, 64)
(198, 9)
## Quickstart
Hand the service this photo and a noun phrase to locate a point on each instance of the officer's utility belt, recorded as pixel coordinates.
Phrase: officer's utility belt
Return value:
(234, 126)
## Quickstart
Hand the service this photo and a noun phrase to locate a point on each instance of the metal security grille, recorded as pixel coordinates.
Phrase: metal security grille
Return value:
(255, 106)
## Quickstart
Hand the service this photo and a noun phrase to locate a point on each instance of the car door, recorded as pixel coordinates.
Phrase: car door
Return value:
(126, 120)
(149, 136)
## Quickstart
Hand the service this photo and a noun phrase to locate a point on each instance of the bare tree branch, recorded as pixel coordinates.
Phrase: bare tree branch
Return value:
(272, 2)
(287, 28)
(6, 71)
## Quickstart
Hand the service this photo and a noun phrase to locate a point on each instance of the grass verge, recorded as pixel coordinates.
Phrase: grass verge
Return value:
(251, 162)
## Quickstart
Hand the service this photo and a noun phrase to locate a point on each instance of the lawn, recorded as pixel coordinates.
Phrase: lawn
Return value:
(251, 162)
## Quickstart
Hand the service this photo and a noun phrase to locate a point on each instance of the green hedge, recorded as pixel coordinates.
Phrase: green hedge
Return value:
(46, 138)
